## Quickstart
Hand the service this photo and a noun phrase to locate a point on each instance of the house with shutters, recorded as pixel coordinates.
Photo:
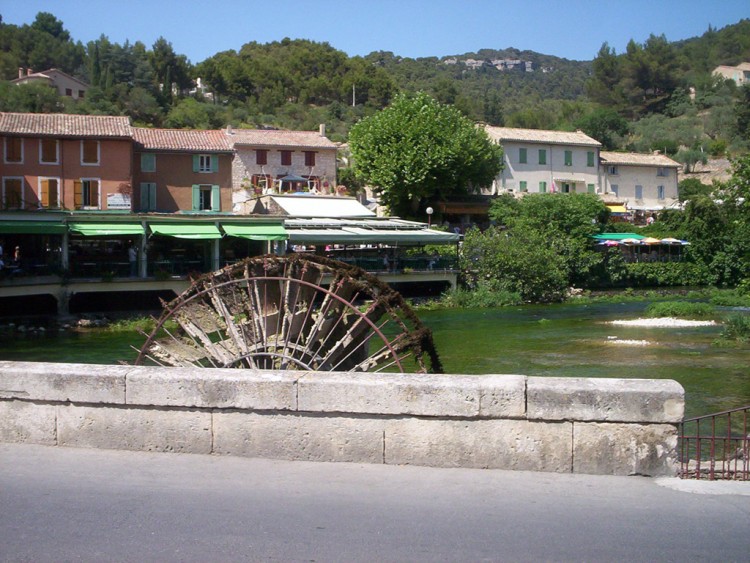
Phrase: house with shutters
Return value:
(539, 161)
(180, 170)
(273, 161)
(61, 161)
(65, 84)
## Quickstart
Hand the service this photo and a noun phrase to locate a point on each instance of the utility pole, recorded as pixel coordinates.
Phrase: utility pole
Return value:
(354, 96)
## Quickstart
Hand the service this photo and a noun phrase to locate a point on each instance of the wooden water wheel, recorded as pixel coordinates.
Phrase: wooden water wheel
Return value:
(292, 312)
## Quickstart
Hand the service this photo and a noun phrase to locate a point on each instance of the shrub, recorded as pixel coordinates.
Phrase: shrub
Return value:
(681, 309)
(654, 274)
(484, 296)
(736, 327)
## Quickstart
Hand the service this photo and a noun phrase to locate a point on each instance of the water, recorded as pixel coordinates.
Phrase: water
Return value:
(558, 340)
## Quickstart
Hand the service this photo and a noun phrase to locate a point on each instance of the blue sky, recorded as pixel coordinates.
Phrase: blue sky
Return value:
(573, 29)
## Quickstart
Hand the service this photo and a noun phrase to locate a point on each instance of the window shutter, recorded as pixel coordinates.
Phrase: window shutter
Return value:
(44, 196)
(568, 158)
(94, 193)
(196, 162)
(196, 197)
(152, 197)
(144, 196)
(215, 163)
(542, 156)
(215, 198)
(542, 187)
(77, 194)
(591, 188)
(522, 156)
(590, 158)
(54, 196)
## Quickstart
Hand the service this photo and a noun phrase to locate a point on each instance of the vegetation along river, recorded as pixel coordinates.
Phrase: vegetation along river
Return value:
(555, 340)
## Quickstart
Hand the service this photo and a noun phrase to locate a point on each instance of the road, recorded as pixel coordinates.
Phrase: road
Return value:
(65, 504)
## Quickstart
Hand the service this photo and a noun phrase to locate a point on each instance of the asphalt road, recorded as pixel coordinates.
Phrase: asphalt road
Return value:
(64, 504)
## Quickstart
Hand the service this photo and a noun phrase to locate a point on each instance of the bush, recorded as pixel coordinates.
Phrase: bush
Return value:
(736, 327)
(681, 310)
(655, 274)
(484, 296)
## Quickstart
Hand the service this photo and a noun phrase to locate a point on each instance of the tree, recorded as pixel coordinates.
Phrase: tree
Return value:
(418, 150)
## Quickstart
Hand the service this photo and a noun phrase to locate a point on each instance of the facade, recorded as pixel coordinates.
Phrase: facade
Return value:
(178, 170)
(641, 182)
(272, 161)
(538, 161)
(59, 161)
(65, 84)
(740, 73)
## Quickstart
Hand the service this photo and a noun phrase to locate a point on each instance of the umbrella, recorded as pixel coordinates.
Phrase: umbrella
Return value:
(671, 241)
(630, 241)
(650, 240)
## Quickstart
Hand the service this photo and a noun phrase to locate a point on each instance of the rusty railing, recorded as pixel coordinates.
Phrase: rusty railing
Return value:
(716, 446)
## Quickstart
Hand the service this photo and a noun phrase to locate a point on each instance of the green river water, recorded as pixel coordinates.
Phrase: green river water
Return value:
(558, 340)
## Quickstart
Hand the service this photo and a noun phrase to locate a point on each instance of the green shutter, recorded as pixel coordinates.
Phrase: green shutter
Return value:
(590, 158)
(542, 156)
(542, 187)
(568, 158)
(152, 197)
(215, 163)
(144, 196)
(522, 156)
(215, 198)
(523, 185)
(196, 162)
(196, 197)
(591, 188)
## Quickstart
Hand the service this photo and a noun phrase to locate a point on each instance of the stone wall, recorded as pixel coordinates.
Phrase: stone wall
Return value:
(599, 426)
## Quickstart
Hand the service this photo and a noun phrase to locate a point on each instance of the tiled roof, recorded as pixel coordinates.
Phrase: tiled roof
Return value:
(277, 138)
(181, 140)
(48, 75)
(64, 125)
(501, 134)
(637, 159)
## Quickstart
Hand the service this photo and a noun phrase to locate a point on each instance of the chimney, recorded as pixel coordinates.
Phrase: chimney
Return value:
(230, 131)
(322, 129)
(29, 71)
(20, 72)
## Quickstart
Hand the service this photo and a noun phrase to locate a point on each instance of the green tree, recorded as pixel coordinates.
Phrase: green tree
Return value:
(417, 151)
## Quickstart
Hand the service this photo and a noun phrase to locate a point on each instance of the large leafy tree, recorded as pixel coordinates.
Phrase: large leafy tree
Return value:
(418, 151)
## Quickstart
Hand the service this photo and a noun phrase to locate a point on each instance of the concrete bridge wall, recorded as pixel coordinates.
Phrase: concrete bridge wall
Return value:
(595, 426)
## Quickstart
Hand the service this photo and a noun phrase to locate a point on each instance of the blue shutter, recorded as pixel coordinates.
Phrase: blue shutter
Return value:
(152, 197)
(215, 198)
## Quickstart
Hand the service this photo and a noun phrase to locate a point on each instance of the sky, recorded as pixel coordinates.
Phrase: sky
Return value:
(571, 29)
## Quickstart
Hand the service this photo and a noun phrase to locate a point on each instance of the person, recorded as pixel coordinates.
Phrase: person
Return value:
(650, 220)
(17, 255)
(133, 259)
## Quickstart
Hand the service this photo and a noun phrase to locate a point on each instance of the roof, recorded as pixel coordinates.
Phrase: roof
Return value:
(277, 138)
(177, 140)
(321, 206)
(501, 134)
(65, 125)
(637, 159)
(46, 74)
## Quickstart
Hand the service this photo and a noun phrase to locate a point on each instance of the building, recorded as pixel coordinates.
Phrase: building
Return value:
(179, 170)
(539, 161)
(273, 161)
(60, 161)
(65, 84)
(641, 182)
(740, 73)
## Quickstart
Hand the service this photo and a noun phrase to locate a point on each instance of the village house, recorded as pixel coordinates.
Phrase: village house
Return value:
(740, 73)
(180, 170)
(65, 84)
(60, 161)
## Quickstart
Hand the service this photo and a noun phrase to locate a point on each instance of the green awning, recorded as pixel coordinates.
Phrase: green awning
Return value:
(256, 232)
(32, 228)
(106, 229)
(618, 236)
(187, 231)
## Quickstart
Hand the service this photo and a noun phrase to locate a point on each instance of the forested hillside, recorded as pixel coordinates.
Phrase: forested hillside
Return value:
(658, 95)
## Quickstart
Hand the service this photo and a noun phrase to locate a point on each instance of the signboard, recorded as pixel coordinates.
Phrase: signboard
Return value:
(118, 201)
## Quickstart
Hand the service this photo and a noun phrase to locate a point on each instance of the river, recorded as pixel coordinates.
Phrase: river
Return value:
(556, 340)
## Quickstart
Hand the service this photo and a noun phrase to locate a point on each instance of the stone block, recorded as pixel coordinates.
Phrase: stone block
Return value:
(605, 400)
(624, 449)
(493, 444)
(298, 437)
(412, 394)
(27, 423)
(78, 383)
(212, 388)
(122, 428)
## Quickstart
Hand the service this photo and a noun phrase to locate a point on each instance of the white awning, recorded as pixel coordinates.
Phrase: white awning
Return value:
(321, 206)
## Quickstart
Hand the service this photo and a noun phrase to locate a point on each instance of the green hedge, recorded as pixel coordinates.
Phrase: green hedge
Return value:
(654, 274)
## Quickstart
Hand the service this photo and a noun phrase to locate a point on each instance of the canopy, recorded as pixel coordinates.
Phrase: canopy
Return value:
(293, 178)
(617, 208)
(187, 231)
(320, 206)
(359, 235)
(106, 229)
(256, 232)
(618, 236)
(32, 228)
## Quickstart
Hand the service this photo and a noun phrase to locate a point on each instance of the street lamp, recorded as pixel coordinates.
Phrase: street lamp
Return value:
(429, 211)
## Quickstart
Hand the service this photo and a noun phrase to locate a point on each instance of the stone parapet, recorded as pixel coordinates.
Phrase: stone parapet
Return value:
(600, 426)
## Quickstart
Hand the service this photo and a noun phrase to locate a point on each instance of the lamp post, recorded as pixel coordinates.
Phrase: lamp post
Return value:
(429, 212)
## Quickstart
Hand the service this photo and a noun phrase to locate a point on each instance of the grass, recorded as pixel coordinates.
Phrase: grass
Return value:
(736, 328)
(681, 310)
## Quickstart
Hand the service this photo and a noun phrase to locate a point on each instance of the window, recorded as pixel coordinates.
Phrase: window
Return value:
(542, 187)
(522, 186)
(662, 171)
(568, 188)
(14, 150)
(612, 170)
(89, 152)
(49, 151)
(49, 193)
(205, 163)
(81, 93)
(639, 192)
(286, 158)
(659, 192)
(206, 197)
(148, 196)
(261, 157)
(12, 196)
(614, 188)
(148, 162)
(522, 156)
(69, 92)
(590, 158)
(568, 158)
(86, 193)
(591, 188)
(542, 156)
(309, 158)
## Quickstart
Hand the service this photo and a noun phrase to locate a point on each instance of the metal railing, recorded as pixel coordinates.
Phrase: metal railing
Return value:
(716, 446)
